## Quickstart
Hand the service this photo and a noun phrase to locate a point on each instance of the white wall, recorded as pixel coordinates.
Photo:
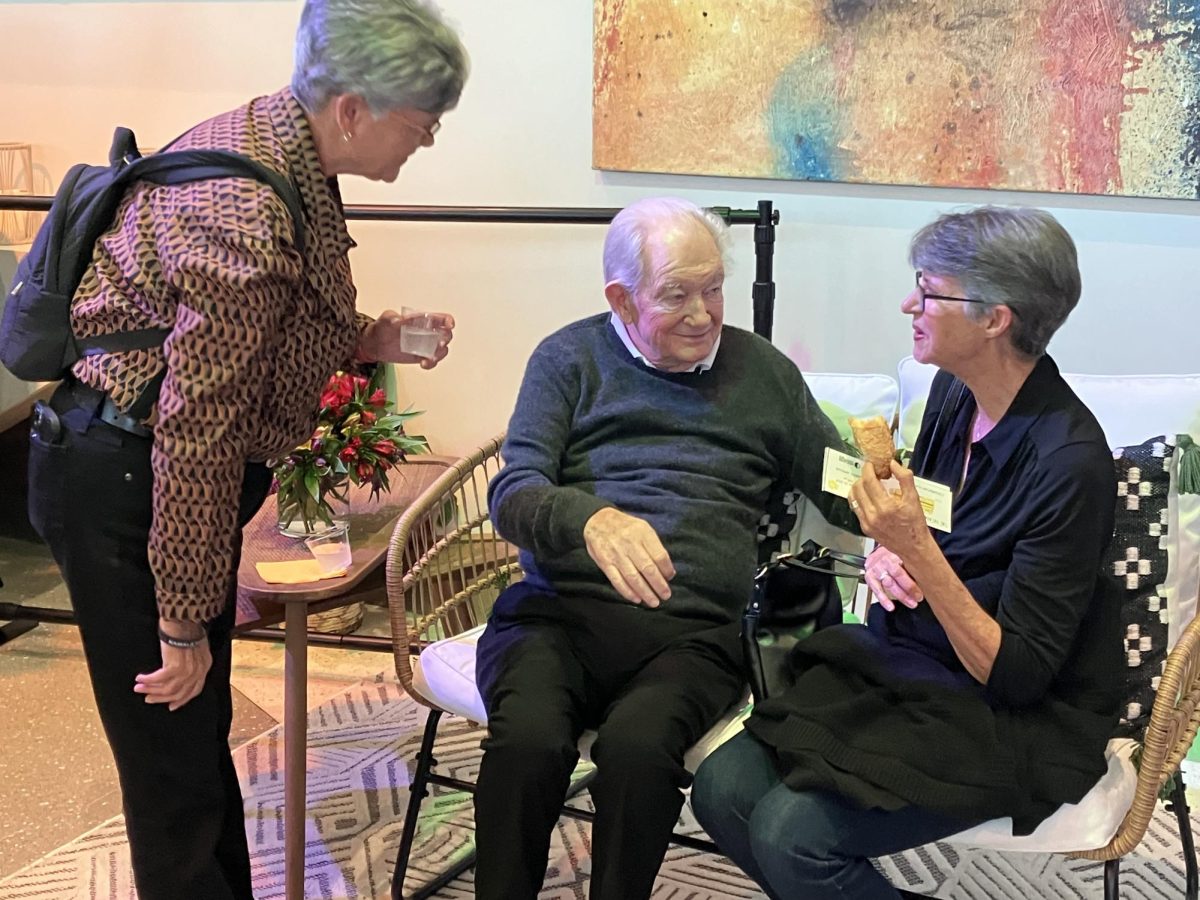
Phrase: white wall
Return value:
(522, 136)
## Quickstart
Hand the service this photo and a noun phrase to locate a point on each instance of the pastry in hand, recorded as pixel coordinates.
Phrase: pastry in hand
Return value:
(874, 439)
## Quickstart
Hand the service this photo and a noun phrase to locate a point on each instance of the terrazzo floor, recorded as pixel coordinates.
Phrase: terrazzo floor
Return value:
(56, 775)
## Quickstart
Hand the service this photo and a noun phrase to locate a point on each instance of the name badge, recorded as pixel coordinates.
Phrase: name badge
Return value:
(840, 471)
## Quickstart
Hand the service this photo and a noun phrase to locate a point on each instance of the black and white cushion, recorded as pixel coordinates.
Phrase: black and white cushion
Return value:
(1139, 552)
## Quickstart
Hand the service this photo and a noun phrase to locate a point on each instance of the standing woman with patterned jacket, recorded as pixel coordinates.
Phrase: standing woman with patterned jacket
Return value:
(144, 516)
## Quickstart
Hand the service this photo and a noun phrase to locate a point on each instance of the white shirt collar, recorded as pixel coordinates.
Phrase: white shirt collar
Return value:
(623, 333)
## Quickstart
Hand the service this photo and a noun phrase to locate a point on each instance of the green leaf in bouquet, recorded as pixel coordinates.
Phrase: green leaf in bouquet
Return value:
(388, 423)
(413, 443)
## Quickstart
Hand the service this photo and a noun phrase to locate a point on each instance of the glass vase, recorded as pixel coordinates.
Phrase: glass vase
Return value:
(306, 521)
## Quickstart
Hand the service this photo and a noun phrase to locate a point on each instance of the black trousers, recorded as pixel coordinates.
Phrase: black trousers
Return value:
(90, 494)
(548, 668)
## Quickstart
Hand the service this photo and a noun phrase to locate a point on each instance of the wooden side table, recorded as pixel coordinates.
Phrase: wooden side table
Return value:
(260, 603)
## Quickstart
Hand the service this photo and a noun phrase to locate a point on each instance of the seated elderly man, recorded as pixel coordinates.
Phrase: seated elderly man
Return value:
(640, 457)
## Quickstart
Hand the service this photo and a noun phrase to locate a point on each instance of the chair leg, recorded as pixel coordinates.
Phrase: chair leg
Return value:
(578, 786)
(1112, 879)
(1179, 806)
(416, 793)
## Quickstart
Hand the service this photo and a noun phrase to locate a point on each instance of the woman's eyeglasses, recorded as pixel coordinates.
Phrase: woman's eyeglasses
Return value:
(427, 131)
(923, 295)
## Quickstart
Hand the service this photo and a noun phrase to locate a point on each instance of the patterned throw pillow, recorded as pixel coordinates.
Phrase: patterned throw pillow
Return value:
(1139, 554)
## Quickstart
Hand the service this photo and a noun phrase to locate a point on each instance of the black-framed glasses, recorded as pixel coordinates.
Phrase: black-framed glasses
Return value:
(923, 295)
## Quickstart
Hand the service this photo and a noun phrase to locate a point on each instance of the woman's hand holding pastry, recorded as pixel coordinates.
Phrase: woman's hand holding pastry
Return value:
(894, 519)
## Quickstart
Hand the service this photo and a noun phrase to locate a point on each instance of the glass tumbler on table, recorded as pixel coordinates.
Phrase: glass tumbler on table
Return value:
(332, 550)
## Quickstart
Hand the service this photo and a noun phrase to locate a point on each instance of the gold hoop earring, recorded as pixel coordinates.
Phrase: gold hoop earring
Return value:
(346, 136)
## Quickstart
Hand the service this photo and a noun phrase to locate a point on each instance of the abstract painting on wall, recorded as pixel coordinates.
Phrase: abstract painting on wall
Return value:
(1080, 96)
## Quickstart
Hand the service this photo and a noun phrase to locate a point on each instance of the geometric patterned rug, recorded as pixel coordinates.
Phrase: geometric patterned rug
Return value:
(359, 747)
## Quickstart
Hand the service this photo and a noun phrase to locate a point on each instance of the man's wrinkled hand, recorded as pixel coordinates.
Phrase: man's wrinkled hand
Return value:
(630, 555)
(182, 675)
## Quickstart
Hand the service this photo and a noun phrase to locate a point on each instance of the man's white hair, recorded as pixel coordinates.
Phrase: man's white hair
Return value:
(624, 260)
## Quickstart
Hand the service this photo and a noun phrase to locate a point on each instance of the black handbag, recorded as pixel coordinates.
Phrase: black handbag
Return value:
(794, 595)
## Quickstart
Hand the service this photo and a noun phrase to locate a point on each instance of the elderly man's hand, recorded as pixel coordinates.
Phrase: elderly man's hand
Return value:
(631, 556)
(889, 581)
(381, 340)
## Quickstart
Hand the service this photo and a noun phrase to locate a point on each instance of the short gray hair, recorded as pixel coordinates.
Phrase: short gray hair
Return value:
(626, 238)
(1022, 258)
(392, 53)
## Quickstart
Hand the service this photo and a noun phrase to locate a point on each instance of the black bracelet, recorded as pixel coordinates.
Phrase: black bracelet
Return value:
(180, 643)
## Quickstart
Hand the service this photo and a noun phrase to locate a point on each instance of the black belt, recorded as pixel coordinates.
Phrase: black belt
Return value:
(107, 411)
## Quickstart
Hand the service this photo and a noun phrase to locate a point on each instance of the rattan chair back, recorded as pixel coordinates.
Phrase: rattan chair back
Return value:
(445, 562)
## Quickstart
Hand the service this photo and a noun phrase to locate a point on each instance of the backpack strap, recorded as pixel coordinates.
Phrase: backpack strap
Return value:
(122, 341)
(183, 166)
(124, 148)
(148, 397)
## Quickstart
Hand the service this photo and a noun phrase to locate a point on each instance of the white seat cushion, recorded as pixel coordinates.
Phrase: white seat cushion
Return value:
(1130, 408)
(444, 674)
(1086, 825)
(842, 395)
(915, 381)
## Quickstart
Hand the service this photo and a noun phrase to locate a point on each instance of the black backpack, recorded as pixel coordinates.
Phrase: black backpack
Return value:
(36, 341)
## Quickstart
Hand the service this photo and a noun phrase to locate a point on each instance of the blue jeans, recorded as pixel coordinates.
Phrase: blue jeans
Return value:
(809, 844)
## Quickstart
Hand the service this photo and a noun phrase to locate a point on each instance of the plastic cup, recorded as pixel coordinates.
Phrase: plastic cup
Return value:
(331, 550)
(420, 335)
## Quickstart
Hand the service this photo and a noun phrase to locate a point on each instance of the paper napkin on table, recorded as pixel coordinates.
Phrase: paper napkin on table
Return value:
(293, 571)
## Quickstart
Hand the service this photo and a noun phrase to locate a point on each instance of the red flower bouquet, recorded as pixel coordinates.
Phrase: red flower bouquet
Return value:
(357, 440)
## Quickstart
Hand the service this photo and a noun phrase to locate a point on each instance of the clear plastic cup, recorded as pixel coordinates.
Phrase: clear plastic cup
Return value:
(420, 335)
(331, 550)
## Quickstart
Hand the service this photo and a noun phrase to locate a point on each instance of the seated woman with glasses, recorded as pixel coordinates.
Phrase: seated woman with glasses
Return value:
(987, 680)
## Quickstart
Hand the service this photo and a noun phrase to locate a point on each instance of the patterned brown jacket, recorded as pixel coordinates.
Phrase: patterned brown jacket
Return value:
(255, 331)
